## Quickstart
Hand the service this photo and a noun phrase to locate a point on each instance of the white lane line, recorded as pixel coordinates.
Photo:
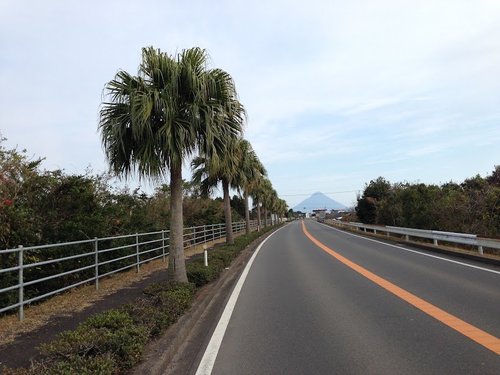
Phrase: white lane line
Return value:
(207, 362)
(414, 251)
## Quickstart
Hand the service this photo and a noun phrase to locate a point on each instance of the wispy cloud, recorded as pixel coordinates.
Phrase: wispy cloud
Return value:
(335, 88)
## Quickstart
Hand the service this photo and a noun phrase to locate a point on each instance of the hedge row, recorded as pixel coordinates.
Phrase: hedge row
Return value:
(112, 342)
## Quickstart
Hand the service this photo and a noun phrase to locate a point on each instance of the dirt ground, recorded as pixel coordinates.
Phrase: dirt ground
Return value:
(19, 339)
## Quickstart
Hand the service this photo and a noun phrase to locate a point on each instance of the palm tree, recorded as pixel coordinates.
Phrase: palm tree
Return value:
(256, 191)
(282, 208)
(152, 122)
(209, 171)
(267, 194)
(250, 171)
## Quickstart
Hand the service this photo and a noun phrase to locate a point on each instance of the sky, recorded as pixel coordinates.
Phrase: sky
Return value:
(337, 92)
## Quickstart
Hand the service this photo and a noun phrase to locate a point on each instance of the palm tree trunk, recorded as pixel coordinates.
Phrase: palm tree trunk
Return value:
(265, 217)
(258, 215)
(247, 212)
(227, 213)
(176, 262)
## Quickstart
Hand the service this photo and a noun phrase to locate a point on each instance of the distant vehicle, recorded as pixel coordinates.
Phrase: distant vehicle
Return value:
(320, 215)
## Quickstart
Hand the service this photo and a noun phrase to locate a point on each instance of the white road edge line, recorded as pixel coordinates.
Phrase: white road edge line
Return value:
(207, 362)
(413, 251)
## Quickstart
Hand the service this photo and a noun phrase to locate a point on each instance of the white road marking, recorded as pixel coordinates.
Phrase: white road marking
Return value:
(207, 362)
(414, 251)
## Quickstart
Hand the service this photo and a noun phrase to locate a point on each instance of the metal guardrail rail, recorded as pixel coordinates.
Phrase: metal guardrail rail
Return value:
(94, 259)
(451, 237)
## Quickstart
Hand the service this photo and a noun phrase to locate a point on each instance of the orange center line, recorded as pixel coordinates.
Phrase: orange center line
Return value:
(481, 337)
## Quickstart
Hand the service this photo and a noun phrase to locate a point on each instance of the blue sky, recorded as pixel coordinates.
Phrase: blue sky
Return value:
(337, 93)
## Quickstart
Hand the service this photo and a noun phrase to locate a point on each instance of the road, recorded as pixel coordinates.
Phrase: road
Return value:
(345, 304)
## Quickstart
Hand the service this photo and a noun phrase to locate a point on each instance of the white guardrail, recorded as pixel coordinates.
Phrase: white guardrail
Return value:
(434, 235)
(91, 259)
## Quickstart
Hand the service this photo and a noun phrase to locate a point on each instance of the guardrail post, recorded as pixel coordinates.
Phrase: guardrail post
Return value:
(407, 237)
(205, 255)
(480, 249)
(137, 250)
(96, 263)
(20, 263)
(435, 242)
(163, 244)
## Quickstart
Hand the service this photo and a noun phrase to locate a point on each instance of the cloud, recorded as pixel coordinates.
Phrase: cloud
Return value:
(332, 88)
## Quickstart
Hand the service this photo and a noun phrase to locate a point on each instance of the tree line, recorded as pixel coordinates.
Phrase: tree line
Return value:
(472, 206)
(175, 109)
(40, 206)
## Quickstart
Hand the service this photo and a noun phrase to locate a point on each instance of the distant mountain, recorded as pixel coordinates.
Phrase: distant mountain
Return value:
(319, 201)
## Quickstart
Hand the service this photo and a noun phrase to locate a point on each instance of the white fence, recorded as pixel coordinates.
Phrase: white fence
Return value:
(91, 260)
(450, 237)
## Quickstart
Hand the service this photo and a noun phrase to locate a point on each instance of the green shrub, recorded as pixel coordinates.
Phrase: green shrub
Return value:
(162, 306)
(178, 298)
(153, 318)
(110, 333)
(200, 275)
(102, 365)
(225, 255)
(111, 319)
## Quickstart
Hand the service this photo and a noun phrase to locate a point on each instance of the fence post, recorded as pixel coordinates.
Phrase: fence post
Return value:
(194, 236)
(137, 250)
(163, 244)
(204, 234)
(20, 263)
(205, 255)
(96, 263)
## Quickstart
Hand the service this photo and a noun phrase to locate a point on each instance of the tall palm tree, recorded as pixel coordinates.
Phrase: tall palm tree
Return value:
(250, 170)
(267, 194)
(282, 208)
(208, 172)
(152, 122)
(256, 191)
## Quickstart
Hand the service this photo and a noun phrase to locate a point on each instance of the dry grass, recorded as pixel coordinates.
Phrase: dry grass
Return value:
(77, 299)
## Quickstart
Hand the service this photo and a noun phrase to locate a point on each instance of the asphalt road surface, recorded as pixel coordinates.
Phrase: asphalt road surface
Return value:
(380, 310)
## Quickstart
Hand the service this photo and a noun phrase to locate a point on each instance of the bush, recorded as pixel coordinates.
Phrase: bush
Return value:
(102, 365)
(226, 255)
(163, 305)
(111, 333)
(200, 275)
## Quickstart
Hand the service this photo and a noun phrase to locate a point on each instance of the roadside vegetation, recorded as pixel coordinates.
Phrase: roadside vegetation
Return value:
(176, 109)
(472, 206)
(112, 342)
